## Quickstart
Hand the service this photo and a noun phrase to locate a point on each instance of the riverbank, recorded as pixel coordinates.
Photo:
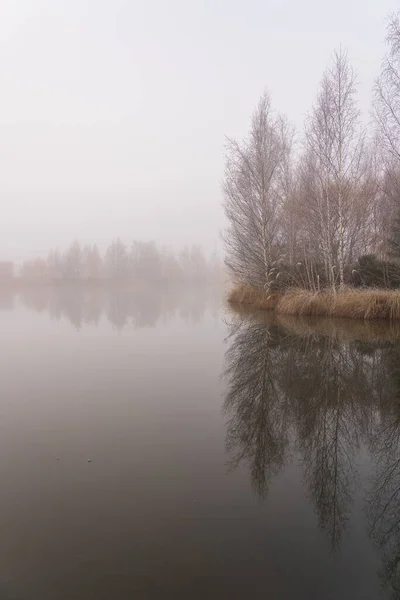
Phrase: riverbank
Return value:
(349, 302)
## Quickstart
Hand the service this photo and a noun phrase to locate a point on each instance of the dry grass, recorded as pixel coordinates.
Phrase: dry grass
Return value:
(349, 303)
(256, 297)
(302, 302)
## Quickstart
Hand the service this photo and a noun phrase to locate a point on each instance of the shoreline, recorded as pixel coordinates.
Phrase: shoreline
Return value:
(351, 303)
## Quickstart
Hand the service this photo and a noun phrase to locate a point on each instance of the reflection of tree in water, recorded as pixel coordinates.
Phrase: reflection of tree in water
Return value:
(68, 303)
(317, 387)
(384, 500)
(146, 307)
(258, 415)
(118, 307)
(331, 406)
(6, 298)
(36, 298)
(77, 305)
(193, 309)
(122, 305)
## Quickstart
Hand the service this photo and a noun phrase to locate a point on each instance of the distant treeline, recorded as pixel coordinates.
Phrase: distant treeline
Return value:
(140, 261)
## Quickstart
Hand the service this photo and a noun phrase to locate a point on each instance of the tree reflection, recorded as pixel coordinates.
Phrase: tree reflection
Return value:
(258, 414)
(6, 299)
(121, 305)
(331, 414)
(384, 499)
(313, 392)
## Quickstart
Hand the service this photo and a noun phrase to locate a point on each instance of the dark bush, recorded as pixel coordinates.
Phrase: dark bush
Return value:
(371, 272)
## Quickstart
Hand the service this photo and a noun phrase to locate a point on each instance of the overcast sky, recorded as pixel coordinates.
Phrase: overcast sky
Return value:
(113, 112)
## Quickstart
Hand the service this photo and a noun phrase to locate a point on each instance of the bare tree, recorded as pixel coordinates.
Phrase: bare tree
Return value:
(72, 261)
(290, 214)
(253, 191)
(116, 260)
(333, 161)
(387, 92)
(386, 111)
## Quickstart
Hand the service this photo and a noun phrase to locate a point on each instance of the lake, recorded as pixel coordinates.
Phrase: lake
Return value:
(156, 445)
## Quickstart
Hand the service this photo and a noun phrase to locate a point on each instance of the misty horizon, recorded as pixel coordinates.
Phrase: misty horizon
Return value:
(200, 299)
(140, 262)
(115, 114)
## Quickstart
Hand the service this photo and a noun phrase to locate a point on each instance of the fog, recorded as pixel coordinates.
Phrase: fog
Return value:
(117, 306)
(114, 113)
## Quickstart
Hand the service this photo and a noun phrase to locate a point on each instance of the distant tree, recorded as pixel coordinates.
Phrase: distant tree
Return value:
(146, 261)
(171, 267)
(73, 262)
(199, 263)
(216, 271)
(92, 262)
(116, 261)
(186, 263)
(34, 270)
(54, 264)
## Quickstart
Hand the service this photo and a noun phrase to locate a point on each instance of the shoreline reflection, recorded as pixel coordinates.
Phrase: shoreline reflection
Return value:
(119, 305)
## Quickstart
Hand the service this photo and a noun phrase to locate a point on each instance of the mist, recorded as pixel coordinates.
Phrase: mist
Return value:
(199, 299)
(114, 113)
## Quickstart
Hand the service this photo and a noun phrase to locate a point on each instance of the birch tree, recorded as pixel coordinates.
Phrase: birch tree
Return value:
(253, 192)
(333, 160)
(386, 111)
(387, 92)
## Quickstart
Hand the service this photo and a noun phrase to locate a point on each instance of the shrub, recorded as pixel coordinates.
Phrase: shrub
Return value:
(371, 272)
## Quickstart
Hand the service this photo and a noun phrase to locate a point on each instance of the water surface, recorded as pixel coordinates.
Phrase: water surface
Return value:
(154, 445)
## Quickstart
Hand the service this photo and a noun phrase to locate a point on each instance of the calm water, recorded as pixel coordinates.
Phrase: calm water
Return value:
(154, 445)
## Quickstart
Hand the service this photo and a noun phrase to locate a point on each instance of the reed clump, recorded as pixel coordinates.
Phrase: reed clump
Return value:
(254, 296)
(353, 303)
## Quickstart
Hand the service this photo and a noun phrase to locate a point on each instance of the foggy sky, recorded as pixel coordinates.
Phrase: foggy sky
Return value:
(113, 112)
